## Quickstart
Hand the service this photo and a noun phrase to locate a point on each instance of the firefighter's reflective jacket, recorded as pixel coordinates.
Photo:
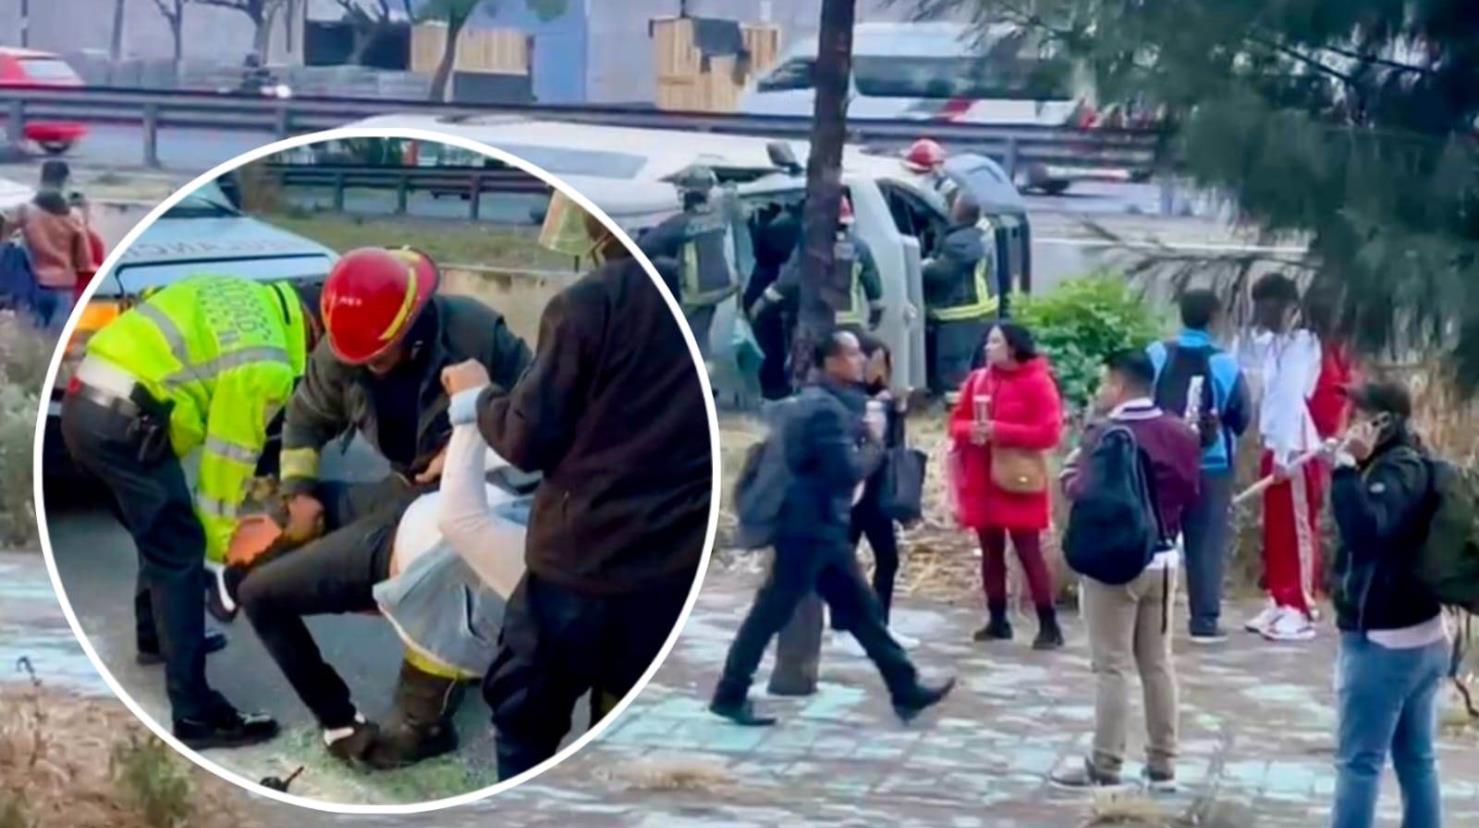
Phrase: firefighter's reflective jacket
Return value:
(863, 304)
(703, 243)
(225, 352)
(957, 281)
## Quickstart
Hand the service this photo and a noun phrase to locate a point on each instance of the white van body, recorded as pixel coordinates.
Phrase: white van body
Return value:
(926, 71)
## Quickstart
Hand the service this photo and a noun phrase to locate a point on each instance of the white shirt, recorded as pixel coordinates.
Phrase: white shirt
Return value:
(1282, 371)
(461, 514)
(1428, 632)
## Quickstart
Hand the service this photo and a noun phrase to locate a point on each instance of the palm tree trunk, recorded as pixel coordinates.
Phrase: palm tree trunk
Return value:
(822, 288)
(449, 57)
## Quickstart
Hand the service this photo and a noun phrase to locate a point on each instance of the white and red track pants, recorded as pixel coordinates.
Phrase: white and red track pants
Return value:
(1291, 535)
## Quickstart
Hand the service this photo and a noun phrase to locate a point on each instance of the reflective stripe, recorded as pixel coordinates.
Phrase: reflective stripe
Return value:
(426, 663)
(299, 462)
(214, 507)
(854, 313)
(168, 329)
(984, 305)
(230, 451)
(225, 362)
(694, 296)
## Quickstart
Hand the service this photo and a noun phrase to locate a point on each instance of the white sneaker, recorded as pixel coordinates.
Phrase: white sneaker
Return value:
(1290, 625)
(1262, 620)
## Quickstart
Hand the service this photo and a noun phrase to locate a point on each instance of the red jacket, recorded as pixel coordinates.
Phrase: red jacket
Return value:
(99, 253)
(1025, 412)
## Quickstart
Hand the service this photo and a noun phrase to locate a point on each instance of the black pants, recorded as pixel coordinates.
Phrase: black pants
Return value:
(335, 574)
(556, 645)
(158, 509)
(869, 521)
(770, 333)
(832, 570)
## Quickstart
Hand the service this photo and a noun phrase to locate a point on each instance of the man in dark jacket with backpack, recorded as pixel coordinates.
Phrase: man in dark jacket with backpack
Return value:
(1128, 616)
(1192, 362)
(1393, 644)
(827, 452)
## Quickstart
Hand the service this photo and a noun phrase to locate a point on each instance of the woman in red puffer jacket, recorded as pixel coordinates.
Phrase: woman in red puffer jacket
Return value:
(1012, 403)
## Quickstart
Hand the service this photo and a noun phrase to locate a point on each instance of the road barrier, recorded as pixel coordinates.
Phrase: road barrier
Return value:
(464, 182)
(1015, 145)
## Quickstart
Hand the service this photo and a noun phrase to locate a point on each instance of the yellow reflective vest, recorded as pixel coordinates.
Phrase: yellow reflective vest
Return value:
(226, 353)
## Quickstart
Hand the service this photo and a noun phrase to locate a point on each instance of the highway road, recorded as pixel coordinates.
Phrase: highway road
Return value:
(192, 151)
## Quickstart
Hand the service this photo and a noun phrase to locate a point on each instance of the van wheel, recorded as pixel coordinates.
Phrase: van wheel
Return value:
(55, 147)
(1054, 187)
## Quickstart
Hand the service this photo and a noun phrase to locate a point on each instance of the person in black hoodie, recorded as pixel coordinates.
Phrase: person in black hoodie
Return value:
(1393, 643)
(612, 412)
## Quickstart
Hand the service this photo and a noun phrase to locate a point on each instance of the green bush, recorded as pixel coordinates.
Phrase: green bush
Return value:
(150, 777)
(1081, 322)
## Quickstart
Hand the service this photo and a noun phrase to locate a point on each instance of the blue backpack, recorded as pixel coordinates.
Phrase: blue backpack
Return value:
(1113, 530)
(17, 278)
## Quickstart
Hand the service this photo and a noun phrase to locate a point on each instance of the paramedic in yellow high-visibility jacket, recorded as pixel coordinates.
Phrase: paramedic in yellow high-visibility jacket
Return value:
(206, 363)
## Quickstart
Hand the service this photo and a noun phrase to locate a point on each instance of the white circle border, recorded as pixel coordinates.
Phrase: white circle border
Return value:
(164, 733)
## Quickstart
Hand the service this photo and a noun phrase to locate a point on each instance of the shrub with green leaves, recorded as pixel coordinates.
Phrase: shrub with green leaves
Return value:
(1081, 322)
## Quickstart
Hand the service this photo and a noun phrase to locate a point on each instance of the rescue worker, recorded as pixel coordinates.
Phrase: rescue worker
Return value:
(925, 158)
(851, 255)
(377, 375)
(958, 299)
(205, 364)
(701, 241)
(612, 412)
(777, 230)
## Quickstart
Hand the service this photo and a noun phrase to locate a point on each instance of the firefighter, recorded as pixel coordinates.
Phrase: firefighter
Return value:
(959, 302)
(701, 240)
(205, 363)
(925, 158)
(863, 309)
(612, 412)
(376, 375)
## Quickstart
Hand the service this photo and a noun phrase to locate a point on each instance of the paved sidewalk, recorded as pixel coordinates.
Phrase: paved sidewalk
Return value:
(1256, 730)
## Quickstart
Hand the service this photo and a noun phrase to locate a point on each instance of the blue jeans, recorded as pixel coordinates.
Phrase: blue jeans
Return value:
(1386, 703)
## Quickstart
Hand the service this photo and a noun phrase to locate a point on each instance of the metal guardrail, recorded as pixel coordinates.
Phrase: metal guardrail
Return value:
(464, 182)
(1013, 144)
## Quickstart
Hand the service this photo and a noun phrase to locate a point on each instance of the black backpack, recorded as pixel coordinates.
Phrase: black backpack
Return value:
(1174, 383)
(764, 482)
(1113, 529)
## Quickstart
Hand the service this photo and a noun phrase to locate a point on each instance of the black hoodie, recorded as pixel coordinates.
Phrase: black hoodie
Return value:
(1382, 510)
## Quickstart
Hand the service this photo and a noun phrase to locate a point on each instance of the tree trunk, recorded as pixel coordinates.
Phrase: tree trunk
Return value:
(823, 289)
(449, 57)
(115, 46)
(177, 31)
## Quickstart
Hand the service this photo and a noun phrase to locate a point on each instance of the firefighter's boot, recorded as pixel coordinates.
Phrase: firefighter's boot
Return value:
(420, 726)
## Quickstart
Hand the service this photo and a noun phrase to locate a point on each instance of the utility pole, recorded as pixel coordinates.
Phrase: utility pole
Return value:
(25, 24)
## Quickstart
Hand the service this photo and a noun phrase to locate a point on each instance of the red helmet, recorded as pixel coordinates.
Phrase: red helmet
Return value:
(844, 211)
(924, 155)
(371, 298)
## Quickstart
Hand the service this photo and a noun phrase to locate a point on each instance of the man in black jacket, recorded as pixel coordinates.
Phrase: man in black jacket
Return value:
(612, 411)
(829, 452)
(377, 374)
(1393, 643)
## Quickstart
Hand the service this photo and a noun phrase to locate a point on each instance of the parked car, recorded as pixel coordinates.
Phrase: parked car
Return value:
(31, 69)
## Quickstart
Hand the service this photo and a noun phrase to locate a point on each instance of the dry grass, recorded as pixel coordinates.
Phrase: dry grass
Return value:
(674, 773)
(1130, 807)
(87, 763)
(448, 242)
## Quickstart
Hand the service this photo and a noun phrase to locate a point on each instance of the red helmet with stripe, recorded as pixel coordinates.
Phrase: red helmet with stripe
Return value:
(924, 155)
(371, 298)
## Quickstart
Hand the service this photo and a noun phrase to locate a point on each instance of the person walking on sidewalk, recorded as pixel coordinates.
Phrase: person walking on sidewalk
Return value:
(1393, 645)
(1130, 623)
(828, 452)
(1193, 364)
(1008, 417)
(1286, 361)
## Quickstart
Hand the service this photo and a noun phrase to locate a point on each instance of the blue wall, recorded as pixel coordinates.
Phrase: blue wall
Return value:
(560, 47)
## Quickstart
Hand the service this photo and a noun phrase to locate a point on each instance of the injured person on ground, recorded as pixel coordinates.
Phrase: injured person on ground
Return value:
(453, 559)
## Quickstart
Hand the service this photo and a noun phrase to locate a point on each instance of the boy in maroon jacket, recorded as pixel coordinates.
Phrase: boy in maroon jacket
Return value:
(1130, 623)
